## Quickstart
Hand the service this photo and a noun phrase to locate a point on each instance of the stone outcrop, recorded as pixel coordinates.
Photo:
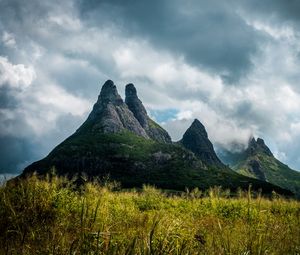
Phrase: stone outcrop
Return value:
(111, 115)
(196, 140)
(258, 146)
(153, 130)
(256, 169)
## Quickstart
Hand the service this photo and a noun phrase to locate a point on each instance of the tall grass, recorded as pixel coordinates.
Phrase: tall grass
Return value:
(53, 217)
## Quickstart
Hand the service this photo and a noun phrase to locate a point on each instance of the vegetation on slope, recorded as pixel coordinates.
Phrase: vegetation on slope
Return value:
(53, 217)
(257, 161)
(134, 161)
(274, 171)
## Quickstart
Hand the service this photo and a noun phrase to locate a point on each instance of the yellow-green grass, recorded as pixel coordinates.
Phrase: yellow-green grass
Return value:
(51, 216)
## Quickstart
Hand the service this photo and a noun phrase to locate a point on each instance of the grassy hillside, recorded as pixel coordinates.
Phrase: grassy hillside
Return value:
(274, 171)
(51, 217)
(134, 161)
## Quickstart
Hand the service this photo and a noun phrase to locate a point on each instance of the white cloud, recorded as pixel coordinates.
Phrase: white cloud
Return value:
(16, 76)
(220, 130)
(280, 155)
(73, 58)
(66, 22)
(63, 102)
(184, 115)
(277, 32)
(8, 40)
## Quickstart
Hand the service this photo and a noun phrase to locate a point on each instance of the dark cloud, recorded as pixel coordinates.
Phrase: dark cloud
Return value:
(247, 114)
(74, 45)
(15, 153)
(283, 11)
(7, 100)
(209, 34)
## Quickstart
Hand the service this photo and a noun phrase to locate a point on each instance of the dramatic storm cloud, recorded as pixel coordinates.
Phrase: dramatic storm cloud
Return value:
(234, 65)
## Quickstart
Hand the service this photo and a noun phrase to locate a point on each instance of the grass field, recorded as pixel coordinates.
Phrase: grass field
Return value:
(52, 217)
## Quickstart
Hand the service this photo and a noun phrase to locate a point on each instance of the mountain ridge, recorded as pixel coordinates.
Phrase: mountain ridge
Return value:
(119, 140)
(257, 161)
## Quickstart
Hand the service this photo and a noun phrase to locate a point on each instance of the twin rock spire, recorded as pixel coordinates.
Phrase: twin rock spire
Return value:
(98, 149)
(112, 115)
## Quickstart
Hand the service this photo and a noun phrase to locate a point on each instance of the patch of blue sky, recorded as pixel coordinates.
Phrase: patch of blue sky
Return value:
(162, 116)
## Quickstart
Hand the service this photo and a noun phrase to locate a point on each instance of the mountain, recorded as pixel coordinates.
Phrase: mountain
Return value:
(196, 140)
(258, 161)
(153, 130)
(119, 140)
(111, 115)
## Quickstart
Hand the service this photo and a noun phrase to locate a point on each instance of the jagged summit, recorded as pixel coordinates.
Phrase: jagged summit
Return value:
(111, 115)
(130, 91)
(196, 124)
(136, 105)
(153, 130)
(196, 140)
(119, 140)
(109, 93)
(258, 161)
(258, 146)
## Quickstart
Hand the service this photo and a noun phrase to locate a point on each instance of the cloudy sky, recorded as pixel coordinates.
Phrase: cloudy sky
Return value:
(234, 65)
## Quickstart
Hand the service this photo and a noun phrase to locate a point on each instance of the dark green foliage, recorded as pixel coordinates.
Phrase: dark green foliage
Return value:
(274, 171)
(134, 161)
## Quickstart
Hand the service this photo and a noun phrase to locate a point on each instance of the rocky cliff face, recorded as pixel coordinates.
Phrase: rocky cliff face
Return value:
(196, 140)
(111, 115)
(153, 130)
(256, 150)
(258, 146)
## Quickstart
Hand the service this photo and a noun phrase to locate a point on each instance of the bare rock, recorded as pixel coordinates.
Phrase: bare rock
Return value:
(153, 130)
(111, 115)
(196, 140)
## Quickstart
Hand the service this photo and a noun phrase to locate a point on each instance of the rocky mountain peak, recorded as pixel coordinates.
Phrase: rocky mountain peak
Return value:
(136, 106)
(252, 142)
(107, 144)
(258, 146)
(198, 127)
(260, 142)
(130, 91)
(195, 139)
(109, 93)
(111, 115)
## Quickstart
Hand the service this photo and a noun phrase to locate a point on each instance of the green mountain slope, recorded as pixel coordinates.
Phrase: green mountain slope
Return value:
(134, 160)
(257, 161)
(135, 151)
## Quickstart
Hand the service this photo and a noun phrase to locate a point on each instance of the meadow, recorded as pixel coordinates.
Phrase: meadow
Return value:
(53, 216)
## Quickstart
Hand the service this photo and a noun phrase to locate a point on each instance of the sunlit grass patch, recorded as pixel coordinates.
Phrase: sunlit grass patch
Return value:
(53, 216)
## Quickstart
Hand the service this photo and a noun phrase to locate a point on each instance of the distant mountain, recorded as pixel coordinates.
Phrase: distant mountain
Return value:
(119, 140)
(257, 161)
